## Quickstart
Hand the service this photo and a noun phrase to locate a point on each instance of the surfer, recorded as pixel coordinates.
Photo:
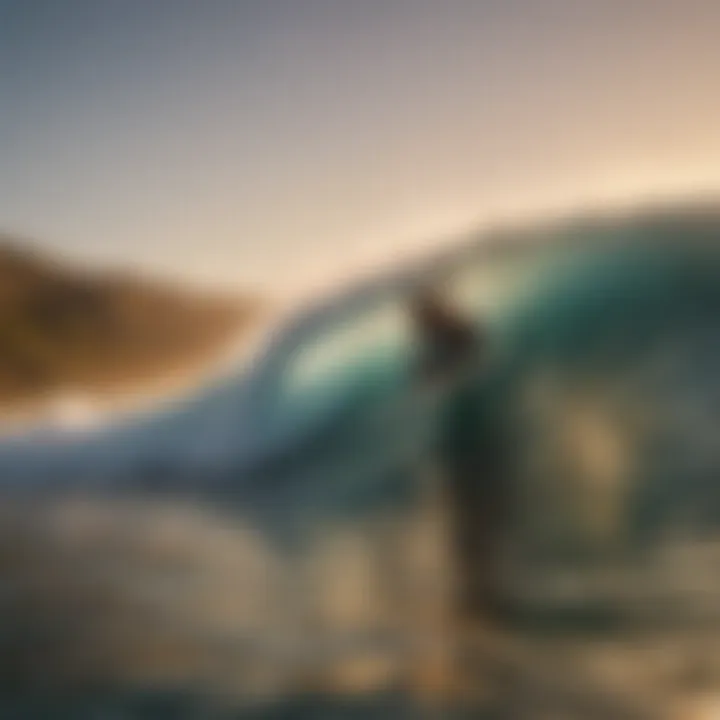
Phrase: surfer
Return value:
(452, 352)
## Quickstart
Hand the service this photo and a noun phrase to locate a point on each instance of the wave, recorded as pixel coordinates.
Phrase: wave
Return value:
(325, 568)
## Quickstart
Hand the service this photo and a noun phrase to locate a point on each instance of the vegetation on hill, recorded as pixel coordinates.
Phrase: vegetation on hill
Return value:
(63, 330)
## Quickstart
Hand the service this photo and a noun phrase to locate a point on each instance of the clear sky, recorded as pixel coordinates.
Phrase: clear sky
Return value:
(271, 143)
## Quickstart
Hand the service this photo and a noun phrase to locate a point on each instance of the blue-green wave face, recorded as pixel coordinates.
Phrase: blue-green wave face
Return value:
(599, 394)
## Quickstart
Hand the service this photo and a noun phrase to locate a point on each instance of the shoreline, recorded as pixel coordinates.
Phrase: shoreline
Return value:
(77, 411)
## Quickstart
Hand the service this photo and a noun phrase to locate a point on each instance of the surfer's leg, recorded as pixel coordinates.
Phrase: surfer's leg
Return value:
(479, 519)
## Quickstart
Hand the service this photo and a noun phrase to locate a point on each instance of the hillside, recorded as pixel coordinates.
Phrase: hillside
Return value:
(65, 330)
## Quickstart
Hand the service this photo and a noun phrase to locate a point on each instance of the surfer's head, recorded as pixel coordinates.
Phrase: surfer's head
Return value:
(431, 305)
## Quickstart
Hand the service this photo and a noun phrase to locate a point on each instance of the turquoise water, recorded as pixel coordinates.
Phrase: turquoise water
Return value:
(632, 319)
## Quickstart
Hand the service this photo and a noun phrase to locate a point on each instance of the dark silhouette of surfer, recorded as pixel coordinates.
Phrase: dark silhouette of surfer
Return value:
(452, 355)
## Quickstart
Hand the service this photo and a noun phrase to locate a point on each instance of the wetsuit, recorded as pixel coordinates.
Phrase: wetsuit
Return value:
(452, 354)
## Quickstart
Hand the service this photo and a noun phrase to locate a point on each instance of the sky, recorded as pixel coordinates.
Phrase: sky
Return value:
(272, 144)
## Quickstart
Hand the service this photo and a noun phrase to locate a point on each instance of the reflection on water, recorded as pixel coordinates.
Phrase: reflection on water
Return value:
(152, 606)
(318, 584)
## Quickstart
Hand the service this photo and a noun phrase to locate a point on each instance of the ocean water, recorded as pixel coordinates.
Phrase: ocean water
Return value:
(317, 582)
